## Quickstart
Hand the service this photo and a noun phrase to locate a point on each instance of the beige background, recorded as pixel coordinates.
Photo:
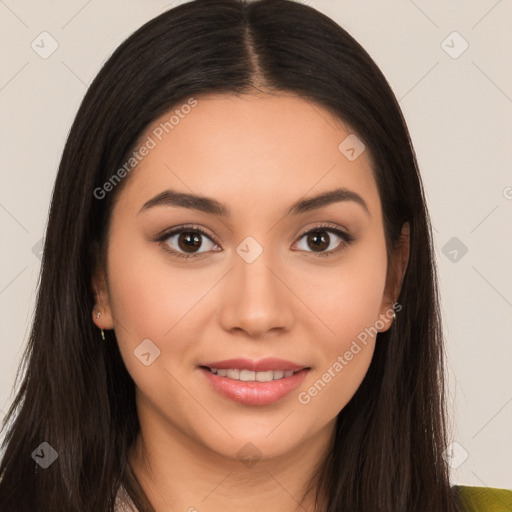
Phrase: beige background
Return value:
(459, 111)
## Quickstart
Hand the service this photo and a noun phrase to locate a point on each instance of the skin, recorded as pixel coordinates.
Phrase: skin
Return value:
(256, 154)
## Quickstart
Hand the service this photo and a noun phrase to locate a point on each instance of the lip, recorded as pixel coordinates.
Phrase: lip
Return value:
(263, 365)
(254, 393)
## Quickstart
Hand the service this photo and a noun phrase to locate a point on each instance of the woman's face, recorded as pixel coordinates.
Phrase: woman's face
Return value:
(260, 285)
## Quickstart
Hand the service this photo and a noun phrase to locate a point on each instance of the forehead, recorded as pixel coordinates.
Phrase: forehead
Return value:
(249, 150)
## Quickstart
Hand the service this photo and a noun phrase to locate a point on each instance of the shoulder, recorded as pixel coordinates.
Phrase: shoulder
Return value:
(483, 499)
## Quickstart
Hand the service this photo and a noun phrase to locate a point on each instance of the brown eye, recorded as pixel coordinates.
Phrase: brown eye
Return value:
(185, 242)
(324, 241)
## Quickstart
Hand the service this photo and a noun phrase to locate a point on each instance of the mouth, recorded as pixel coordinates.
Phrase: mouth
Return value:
(254, 382)
(246, 375)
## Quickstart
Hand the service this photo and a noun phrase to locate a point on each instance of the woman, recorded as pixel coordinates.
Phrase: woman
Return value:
(238, 303)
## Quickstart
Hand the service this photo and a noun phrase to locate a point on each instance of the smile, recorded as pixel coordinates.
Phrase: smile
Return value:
(253, 388)
(251, 376)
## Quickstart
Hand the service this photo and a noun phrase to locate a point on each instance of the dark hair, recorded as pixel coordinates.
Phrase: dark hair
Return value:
(387, 453)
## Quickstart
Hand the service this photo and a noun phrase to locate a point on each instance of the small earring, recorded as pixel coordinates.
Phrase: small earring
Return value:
(98, 314)
(102, 335)
(394, 315)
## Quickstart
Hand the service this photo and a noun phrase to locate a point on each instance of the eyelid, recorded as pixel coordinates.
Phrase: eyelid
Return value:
(186, 227)
(327, 226)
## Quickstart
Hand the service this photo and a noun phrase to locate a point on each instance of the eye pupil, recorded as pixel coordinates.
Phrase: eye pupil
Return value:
(189, 240)
(318, 240)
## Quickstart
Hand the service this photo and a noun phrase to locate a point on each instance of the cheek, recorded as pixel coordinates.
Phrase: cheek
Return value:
(348, 295)
(147, 291)
(156, 299)
(150, 301)
(349, 298)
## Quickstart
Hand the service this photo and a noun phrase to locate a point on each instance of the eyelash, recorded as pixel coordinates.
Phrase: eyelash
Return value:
(346, 237)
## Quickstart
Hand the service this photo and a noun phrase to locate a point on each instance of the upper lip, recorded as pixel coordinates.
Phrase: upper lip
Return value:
(263, 365)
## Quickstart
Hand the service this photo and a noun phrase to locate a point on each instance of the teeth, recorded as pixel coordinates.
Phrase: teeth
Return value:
(265, 376)
(233, 374)
(247, 375)
(251, 376)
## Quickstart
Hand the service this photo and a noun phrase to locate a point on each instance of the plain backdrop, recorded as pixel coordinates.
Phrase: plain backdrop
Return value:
(448, 64)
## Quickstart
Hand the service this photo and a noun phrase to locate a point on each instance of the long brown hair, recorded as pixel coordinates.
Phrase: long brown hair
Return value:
(76, 394)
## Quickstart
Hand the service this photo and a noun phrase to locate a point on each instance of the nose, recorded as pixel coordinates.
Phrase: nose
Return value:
(256, 299)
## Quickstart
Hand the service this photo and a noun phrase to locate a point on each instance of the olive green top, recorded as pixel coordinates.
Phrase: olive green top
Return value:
(484, 499)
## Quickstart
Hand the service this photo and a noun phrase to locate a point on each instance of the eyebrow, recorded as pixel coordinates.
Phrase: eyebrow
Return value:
(211, 206)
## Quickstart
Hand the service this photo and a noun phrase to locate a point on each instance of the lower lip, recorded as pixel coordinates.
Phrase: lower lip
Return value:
(255, 393)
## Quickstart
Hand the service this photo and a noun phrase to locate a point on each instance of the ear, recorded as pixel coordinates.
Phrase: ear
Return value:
(396, 272)
(102, 301)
